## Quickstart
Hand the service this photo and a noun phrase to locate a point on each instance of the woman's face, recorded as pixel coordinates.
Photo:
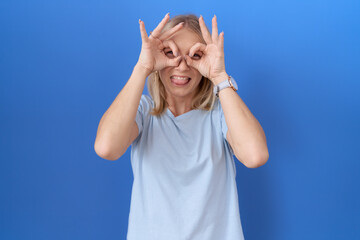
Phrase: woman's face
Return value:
(182, 81)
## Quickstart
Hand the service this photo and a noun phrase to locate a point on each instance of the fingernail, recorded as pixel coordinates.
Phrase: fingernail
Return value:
(167, 14)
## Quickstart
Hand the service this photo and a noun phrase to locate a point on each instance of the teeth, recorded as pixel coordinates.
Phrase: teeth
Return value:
(180, 78)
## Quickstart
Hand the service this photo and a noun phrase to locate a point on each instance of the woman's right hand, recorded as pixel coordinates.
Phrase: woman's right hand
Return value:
(152, 57)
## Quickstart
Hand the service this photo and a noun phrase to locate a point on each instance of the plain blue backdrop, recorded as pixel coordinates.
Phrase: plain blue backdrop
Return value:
(62, 63)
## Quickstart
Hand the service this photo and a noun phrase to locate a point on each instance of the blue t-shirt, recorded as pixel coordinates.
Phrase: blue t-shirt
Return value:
(184, 177)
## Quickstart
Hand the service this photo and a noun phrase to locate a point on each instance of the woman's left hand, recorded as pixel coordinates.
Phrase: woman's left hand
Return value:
(211, 64)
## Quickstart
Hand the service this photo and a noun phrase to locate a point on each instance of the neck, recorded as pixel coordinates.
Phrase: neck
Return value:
(178, 106)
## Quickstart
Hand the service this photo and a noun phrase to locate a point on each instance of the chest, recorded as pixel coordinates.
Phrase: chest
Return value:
(183, 145)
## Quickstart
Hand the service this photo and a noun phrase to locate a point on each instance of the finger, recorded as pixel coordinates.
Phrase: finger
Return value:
(204, 30)
(171, 31)
(171, 44)
(214, 30)
(161, 25)
(192, 63)
(143, 33)
(197, 47)
(173, 62)
(221, 41)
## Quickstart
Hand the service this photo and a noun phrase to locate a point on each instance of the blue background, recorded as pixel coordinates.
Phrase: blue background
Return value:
(62, 63)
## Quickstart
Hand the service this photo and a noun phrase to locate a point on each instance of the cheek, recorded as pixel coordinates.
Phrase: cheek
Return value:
(198, 76)
(163, 74)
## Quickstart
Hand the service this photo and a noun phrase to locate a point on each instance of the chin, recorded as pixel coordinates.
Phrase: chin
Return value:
(181, 93)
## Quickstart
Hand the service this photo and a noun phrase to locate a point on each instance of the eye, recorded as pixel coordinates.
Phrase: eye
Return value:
(169, 53)
(196, 56)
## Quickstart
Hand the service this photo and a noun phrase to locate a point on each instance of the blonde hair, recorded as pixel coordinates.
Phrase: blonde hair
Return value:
(204, 98)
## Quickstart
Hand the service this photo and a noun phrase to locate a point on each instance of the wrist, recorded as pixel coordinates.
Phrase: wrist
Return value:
(142, 70)
(220, 78)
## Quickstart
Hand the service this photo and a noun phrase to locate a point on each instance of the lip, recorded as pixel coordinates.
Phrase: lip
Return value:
(180, 76)
(180, 85)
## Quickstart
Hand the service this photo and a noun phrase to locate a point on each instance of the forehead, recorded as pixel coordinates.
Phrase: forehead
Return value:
(185, 39)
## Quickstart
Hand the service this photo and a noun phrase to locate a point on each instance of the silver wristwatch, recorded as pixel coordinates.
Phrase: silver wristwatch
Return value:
(230, 82)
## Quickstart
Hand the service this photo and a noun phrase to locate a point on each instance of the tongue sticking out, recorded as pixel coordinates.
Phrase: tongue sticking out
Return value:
(180, 81)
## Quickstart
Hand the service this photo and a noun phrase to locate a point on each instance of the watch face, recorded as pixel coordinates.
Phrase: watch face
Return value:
(234, 83)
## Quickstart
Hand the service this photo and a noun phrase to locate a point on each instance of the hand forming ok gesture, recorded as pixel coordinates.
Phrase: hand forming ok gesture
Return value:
(152, 57)
(211, 64)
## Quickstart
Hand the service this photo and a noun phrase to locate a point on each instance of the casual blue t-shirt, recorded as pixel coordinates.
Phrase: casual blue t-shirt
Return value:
(184, 177)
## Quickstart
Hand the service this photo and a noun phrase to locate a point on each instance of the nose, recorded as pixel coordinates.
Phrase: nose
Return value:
(182, 65)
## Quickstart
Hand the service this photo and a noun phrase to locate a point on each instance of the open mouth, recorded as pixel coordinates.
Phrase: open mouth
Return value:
(180, 80)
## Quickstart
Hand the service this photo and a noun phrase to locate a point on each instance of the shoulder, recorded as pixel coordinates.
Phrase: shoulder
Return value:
(146, 102)
(146, 99)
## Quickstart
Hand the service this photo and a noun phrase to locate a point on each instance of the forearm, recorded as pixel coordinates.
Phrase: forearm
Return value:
(246, 132)
(115, 126)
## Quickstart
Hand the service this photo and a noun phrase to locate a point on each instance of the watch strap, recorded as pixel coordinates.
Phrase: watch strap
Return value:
(221, 85)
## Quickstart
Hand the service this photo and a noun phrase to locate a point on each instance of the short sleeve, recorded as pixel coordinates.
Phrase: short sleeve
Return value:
(224, 127)
(142, 112)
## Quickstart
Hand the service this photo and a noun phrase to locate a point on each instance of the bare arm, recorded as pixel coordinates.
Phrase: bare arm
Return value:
(245, 134)
(117, 128)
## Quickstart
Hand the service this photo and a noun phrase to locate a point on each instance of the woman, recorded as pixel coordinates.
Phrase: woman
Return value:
(182, 152)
